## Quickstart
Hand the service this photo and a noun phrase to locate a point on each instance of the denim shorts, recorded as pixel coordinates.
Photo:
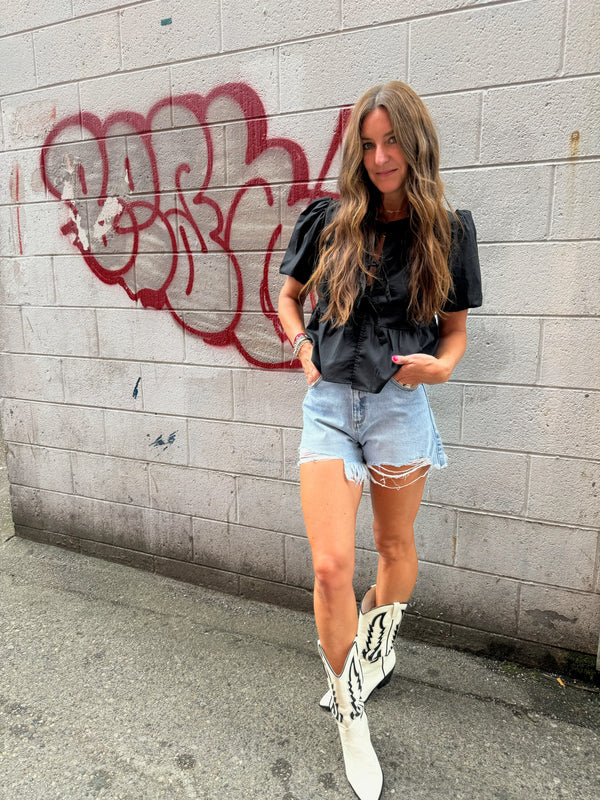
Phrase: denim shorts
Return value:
(371, 432)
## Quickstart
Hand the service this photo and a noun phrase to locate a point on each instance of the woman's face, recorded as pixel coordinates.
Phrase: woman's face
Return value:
(382, 158)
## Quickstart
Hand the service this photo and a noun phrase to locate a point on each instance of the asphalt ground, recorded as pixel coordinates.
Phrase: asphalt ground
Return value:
(118, 683)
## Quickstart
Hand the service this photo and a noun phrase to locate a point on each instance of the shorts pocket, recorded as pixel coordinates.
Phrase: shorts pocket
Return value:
(402, 387)
(316, 383)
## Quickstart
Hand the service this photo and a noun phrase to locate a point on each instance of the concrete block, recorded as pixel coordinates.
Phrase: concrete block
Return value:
(22, 174)
(196, 574)
(133, 93)
(197, 351)
(26, 225)
(132, 527)
(291, 443)
(246, 551)
(270, 505)
(120, 555)
(257, 70)
(253, 221)
(40, 467)
(541, 278)
(26, 281)
(201, 149)
(156, 241)
(544, 421)
(18, 64)
(87, 46)
(237, 448)
(500, 350)
(202, 493)
(68, 427)
(575, 215)
(60, 331)
(457, 118)
(121, 480)
(270, 22)
(569, 357)
(49, 537)
(28, 118)
(506, 43)
(142, 334)
(81, 7)
(313, 132)
(435, 534)
(93, 168)
(147, 41)
(276, 593)
(298, 562)
(555, 111)
(31, 14)
(471, 599)
(529, 551)
(202, 282)
(583, 30)
(565, 490)
(559, 617)
(34, 377)
(480, 479)
(303, 86)
(15, 420)
(148, 437)
(499, 196)
(189, 391)
(11, 330)
(9, 232)
(357, 13)
(97, 382)
(446, 401)
(76, 285)
(271, 397)
(365, 571)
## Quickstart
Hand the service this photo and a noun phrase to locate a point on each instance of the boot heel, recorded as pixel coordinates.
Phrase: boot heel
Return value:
(386, 679)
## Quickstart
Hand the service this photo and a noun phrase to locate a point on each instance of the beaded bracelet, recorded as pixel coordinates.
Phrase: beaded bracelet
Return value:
(300, 339)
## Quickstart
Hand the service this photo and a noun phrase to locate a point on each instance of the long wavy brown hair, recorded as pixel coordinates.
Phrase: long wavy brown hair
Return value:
(348, 242)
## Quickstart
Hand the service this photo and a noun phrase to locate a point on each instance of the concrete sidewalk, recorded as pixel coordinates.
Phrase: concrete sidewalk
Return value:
(117, 683)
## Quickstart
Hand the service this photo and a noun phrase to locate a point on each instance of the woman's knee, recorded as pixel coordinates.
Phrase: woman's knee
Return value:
(395, 546)
(332, 572)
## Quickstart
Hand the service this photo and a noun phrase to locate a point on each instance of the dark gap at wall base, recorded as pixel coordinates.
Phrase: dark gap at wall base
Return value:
(570, 663)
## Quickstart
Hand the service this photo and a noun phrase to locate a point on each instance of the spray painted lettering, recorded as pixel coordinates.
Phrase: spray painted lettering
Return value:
(150, 209)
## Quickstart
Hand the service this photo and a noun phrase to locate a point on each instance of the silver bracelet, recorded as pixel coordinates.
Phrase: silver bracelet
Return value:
(300, 340)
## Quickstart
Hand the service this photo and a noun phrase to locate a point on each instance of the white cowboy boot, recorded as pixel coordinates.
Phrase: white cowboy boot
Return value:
(377, 629)
(347, 707)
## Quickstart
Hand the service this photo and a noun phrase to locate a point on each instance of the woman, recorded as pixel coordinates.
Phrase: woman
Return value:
(395, 273)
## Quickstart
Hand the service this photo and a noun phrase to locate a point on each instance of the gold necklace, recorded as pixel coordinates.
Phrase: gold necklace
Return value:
(394, 210)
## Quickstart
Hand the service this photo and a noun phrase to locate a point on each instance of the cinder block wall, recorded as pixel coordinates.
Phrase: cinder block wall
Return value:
(154, 157)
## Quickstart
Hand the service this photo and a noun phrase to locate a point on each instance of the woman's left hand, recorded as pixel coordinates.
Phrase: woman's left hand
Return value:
(420, 368)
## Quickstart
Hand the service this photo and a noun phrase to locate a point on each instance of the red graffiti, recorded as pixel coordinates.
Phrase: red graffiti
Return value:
(14, 193)
(152, 219)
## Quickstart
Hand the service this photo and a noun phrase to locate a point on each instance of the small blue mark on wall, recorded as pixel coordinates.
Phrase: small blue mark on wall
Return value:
(137, 386)
(160, 442)
(166, 21)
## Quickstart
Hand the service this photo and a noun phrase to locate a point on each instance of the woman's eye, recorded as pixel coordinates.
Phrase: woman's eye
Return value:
(392, 140)
(367, 145)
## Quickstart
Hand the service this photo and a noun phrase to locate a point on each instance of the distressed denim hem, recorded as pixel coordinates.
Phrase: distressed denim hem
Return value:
(382, 475)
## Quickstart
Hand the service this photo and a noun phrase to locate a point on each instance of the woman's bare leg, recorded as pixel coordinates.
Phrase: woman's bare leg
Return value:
(330, 504)
(394, 512)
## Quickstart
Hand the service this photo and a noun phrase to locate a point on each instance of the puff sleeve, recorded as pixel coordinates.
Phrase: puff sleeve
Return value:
(300, 258)
(464, 265)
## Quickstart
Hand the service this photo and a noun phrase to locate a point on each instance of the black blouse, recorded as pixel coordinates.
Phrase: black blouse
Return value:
(360, 352)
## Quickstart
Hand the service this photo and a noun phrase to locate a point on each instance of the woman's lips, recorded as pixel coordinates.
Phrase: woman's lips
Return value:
(388, 172)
